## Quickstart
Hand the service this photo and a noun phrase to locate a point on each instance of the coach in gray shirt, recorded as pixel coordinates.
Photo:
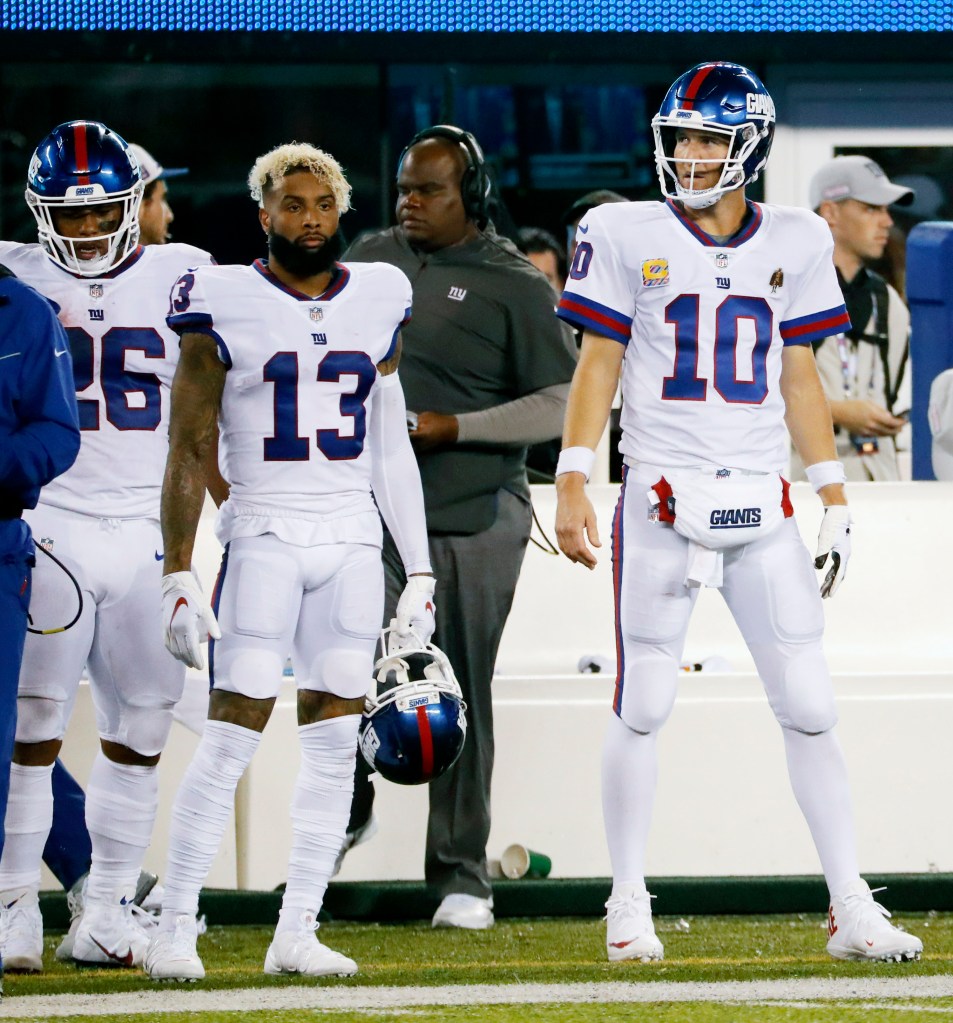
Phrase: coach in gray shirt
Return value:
(486, 366)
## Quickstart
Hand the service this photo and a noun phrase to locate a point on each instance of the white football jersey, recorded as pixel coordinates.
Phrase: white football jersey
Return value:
(299, 390)
(124, 356)
(704, 325)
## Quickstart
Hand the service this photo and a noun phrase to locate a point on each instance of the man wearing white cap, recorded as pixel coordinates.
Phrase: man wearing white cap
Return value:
(865, 372)
(155, 214)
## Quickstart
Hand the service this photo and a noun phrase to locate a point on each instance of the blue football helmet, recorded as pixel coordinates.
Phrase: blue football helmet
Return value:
(723, 99)
(414, 723)
(84, 163)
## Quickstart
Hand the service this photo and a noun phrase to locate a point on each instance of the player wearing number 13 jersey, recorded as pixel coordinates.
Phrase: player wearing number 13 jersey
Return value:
(101, 520)
(299, 382)
(708, 304)
(296, 359)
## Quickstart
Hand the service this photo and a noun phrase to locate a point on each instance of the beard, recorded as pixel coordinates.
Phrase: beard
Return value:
(302, 262)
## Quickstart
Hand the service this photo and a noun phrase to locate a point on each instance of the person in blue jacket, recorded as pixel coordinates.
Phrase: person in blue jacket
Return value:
(39, 439)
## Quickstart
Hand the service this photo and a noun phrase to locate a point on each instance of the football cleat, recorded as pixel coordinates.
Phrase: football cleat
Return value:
(114, 933)
(300, 952)
(468, 912)
(172, 954)
(21, 931)
(857, 928)
(414, 722)
(630, 933)
(146, 891)
(721, 99)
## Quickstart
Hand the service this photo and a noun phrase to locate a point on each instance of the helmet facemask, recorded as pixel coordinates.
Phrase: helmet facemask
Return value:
(742, 140)
(62, 249)
(414, 723)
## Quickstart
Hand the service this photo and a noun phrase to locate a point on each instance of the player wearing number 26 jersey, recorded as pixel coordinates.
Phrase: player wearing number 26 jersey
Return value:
(124, 357)
(100, 520)
(708, 304)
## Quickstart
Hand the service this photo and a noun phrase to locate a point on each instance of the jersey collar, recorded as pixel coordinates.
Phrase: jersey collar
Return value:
(749, 226)
(340, 276)
(114, 271)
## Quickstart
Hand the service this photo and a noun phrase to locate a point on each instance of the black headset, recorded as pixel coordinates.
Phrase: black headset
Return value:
(475, 183)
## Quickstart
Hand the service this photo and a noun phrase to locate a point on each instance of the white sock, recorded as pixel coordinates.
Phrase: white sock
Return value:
(629, 774)
(320, 808)
(819, 778)
(121, 805)
(27, 824)
(200, 813)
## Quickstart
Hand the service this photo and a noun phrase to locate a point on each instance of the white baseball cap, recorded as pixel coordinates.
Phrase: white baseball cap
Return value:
(151, 169)
(856, 177)
(940, 414)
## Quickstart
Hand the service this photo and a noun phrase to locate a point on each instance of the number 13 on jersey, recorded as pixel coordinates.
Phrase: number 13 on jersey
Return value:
(286, 444)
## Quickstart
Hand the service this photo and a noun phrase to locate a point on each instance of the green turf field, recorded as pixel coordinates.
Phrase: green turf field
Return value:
(522, 956)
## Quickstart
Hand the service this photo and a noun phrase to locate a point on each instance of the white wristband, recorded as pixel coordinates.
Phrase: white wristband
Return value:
(578, 459)
(822, 474)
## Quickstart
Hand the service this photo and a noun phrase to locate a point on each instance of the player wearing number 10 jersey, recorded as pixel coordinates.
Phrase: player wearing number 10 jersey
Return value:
(708, 303)
(101, 520)
(296, 360)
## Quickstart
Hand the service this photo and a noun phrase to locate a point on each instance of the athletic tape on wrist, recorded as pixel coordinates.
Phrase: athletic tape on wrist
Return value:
(822, 474)
(577, 459)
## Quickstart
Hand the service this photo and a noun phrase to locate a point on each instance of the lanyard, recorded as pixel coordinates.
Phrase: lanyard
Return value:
(847, 350)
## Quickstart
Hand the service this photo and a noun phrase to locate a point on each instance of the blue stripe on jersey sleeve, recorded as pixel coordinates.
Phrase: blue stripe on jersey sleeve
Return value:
(200, 323)
(589, 315)
(807, 329)
(186, 323)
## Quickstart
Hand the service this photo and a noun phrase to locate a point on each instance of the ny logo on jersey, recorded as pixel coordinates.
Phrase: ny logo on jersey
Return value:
(97, 314)
(317, 314)
(457, 294)
(723, 282)
(95, 291)
(319, 339)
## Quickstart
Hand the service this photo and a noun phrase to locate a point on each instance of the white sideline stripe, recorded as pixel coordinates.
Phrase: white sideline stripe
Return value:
(687, 701)
(309, 995)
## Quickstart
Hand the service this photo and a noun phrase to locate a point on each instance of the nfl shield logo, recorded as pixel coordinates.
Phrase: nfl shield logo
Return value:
(95, 291)
(316, 313)
(721, 260)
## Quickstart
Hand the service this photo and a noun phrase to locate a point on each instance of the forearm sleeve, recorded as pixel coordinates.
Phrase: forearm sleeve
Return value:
(395, 478)
(528, 420)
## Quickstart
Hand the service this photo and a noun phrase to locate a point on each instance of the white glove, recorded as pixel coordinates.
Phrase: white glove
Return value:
(187, 620)
(416, 609)
(833, 539)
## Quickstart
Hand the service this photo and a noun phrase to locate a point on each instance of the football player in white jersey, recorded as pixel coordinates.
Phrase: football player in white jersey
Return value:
(296, 359)
(101, 520)
(707, 304)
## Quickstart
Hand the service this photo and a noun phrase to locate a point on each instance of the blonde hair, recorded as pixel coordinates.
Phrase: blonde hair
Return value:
(299, 156)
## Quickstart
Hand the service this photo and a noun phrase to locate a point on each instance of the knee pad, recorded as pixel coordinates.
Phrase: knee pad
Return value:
(649, 684)
(344, 672)
(40, 719)
(144, 730)
(806, 701)
(251, 670)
